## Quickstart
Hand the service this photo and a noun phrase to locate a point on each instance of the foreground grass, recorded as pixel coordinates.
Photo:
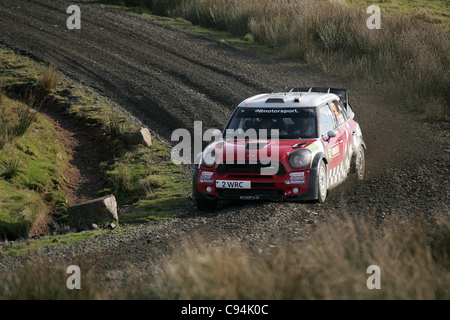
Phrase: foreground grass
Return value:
(407, 58)
(331, 264)
(413, 257)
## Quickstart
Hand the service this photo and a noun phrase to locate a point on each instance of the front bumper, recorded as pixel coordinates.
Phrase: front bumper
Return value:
(291, 186)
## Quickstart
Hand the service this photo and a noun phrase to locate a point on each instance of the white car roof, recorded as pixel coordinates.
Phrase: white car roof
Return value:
(288, 100)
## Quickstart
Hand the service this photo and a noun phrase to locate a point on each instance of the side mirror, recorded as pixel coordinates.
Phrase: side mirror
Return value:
(330, 134)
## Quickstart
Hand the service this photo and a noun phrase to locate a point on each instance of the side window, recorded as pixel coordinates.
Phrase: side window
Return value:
(338, 113)
(326, 119)
(342, 109)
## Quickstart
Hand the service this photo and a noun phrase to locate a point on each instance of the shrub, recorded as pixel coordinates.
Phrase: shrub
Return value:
(49, 79)
(116, 124)
(15, 120)
(150, 183)
(121, 179)
(12, 169)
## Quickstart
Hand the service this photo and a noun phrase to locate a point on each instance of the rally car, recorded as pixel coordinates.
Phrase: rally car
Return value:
(291, 144)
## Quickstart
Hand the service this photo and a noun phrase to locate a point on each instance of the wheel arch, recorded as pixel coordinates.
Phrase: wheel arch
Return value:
(320, 156)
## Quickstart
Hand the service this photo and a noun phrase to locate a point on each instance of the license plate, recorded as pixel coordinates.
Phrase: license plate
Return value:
(249, 197)
(232, 184)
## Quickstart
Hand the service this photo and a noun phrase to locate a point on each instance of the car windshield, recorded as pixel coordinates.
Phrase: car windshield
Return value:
(290, 123)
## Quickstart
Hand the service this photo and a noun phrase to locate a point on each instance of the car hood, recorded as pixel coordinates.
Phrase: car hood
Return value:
(265, 150)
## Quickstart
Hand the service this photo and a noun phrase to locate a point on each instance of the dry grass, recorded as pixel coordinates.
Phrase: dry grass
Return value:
(122, 180)
(331, 264)
(15, 120)
(45, 280)
(49, 78)
(150, 183)
(116, 124)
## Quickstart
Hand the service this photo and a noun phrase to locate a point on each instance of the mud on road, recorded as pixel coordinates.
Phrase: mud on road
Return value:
(169, 79)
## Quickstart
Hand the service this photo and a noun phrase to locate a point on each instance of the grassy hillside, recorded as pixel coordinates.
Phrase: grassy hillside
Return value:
(31, 179)
(33, 160)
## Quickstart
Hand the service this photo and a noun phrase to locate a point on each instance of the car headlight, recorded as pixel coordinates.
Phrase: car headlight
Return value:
(209, 158)
(300, 159)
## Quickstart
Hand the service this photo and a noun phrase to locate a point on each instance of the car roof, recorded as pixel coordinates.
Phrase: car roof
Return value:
(288, 100)
(296, 97)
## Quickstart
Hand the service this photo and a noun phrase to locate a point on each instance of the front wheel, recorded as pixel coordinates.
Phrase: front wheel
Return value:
(205, 204)
(322, 183)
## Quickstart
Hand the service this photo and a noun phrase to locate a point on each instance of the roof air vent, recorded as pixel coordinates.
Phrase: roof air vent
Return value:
(275, 100)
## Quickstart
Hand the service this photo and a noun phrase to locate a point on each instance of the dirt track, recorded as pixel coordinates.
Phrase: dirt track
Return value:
(169, 79)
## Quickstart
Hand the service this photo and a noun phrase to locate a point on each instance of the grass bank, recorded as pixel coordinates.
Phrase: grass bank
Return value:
(407, 57)
(413, 258)
(32, 179)
(33, 160)
(149, 182)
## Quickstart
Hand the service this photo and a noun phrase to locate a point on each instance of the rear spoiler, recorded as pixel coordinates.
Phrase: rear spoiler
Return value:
(341, 93)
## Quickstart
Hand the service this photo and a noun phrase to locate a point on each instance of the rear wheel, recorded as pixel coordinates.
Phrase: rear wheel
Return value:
(322, 183)
(360, 163)
(205, 204)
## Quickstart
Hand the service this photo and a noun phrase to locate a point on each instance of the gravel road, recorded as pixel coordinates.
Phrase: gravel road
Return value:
(169, 79)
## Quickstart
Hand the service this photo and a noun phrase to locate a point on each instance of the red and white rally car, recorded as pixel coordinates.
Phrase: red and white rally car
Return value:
(292, 144)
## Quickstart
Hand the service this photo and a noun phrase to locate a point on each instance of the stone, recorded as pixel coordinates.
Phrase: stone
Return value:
(110, 226)
(103, 209)
(141, 136)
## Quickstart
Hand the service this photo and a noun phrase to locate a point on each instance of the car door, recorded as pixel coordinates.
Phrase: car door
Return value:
(342, 143)
(333, 145)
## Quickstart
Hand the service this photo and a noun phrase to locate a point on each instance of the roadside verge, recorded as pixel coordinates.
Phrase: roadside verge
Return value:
(71, 152)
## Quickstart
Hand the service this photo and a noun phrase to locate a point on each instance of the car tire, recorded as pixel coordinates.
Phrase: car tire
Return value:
(360, 164)
(205, 204)
(322, 182)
